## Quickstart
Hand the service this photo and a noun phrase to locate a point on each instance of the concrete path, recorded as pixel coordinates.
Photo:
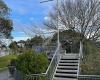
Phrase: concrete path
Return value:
(4, 75)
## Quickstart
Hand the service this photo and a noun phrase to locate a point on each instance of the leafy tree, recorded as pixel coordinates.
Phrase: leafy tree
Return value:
(5, 22)
(71, 37)
(14, 47)
(37, 40)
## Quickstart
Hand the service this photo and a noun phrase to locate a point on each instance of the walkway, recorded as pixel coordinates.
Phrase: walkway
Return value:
(4, 75)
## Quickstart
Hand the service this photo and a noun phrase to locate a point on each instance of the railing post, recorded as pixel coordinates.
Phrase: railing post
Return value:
(81, 50)
(80, 57)
(58, 53)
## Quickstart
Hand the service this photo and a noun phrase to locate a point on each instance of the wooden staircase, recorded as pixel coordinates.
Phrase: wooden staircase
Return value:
(67, 68)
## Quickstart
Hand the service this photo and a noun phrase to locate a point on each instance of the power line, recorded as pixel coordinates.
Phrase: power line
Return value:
(46, 1)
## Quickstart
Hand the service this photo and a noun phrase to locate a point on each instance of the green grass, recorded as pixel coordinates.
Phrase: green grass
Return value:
(91, 61)
(4, 61)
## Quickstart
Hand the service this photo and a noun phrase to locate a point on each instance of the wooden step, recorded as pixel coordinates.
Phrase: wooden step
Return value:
(56, 78)
(68, 61)
(62, 75)
(68, 64)
(66, 71)
(67, 67)
(68, 56)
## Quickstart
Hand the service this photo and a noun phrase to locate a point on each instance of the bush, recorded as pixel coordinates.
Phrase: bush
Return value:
(32, 63)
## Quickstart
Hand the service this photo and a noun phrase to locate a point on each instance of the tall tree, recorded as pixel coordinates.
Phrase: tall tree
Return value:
(82, 16)
(5, 22)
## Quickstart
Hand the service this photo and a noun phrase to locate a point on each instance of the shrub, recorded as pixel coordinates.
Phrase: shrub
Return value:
(32, 62)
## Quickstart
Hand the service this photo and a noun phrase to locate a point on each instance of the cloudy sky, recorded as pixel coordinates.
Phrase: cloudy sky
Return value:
(25, 13)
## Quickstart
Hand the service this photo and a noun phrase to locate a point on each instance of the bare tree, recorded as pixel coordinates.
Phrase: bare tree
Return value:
(82, 16)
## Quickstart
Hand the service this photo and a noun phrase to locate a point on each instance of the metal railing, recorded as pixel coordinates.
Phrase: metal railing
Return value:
(80, 58)
(84, 77)
(89, 77)
(48, 75)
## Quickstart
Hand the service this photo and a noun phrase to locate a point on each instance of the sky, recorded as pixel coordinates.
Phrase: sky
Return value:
(25, 14)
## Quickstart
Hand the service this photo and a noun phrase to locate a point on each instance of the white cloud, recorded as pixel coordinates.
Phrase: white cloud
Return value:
(20, 38)
(46, 18)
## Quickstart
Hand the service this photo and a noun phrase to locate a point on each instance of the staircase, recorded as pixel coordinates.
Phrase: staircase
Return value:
(67, 68)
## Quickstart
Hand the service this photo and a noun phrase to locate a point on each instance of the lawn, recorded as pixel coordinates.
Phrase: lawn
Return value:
(4, 61)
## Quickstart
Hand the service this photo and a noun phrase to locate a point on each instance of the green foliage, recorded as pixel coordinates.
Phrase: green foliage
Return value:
(6, 27)
(71, 37)
(14, 47)
(5, 22)
(37, 40)
(5, 61)
(67, 35)
(91, 61)
(32, 63)
(4, 8)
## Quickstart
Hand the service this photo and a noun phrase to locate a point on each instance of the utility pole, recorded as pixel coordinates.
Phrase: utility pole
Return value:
(58, 22)
(58, 38)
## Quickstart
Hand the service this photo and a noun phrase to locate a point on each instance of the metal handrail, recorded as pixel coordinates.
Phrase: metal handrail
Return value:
(52, 59)
(44, 74)
(79, 65)
(89, 77)
(80, 58)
